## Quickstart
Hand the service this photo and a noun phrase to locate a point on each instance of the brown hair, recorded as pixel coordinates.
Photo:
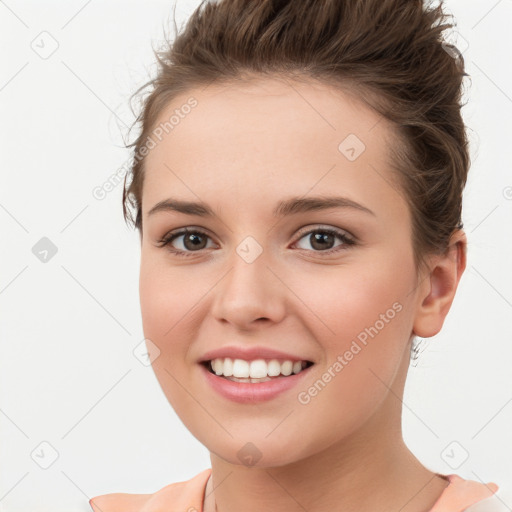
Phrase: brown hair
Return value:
(390, 53)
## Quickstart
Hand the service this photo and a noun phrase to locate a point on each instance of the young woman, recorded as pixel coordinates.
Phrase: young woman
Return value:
(297, 186)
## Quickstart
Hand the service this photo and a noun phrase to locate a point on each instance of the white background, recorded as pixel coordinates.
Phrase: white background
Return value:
(69, 326)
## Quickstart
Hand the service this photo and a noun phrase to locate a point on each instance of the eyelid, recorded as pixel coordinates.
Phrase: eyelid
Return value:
(347, 238)
(326, 227)
(303, 231)
(176, 233)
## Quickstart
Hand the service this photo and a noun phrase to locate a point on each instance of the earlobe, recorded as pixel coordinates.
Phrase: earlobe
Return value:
(438, 288)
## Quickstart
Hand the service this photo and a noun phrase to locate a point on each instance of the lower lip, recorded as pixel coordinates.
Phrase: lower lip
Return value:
(247, 392)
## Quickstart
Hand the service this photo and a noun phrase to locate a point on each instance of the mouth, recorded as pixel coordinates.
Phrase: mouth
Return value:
(255, 371)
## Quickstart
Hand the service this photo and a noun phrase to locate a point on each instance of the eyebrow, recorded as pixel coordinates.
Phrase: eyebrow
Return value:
(286, 207)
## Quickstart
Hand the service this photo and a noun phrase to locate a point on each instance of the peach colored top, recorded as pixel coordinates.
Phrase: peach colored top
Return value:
(462, 493)
(188, 496)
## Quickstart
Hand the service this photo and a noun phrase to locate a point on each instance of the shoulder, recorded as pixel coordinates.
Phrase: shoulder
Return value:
(461, 495)
(500, 501)
(186, 496)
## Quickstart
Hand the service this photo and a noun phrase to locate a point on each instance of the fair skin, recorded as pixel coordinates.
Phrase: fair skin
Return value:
(241, 150)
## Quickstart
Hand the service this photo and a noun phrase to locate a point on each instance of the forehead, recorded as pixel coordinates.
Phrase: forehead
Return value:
(266, 137)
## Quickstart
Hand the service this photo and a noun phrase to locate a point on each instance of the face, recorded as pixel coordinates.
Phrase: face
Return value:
(330, 285)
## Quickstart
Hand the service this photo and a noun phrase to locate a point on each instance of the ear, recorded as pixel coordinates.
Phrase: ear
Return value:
(438, 287)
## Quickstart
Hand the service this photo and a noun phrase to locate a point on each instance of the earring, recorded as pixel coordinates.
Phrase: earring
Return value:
(417, 346)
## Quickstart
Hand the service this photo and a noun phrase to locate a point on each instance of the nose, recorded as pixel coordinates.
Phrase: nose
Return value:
(250, 293)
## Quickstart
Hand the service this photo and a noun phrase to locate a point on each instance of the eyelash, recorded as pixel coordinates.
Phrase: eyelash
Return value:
(170, 237)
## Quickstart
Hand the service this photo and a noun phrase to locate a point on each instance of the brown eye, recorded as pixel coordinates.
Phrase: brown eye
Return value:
(323, 240)
(193, 241)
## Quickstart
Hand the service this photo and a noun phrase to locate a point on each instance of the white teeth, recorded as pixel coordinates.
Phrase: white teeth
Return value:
(234, 379)
(273, 368)
(287, 368)
(256, 369)
(227, 368)
(240, 368)
(297, 367)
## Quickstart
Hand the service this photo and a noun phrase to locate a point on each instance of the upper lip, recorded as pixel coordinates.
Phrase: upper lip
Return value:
(249, 354)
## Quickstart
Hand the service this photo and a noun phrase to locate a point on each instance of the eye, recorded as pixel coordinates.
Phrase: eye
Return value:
(193, 239)
(324, 238)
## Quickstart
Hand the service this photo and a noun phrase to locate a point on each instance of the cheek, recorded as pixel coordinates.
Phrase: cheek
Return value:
(165, 296)
(165, 301)
(362, 323)
(344, 302)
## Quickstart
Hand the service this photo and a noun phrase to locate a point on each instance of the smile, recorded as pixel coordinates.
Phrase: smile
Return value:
(257, 370)
(253, 381)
